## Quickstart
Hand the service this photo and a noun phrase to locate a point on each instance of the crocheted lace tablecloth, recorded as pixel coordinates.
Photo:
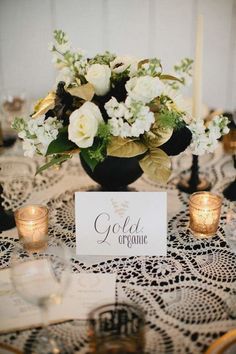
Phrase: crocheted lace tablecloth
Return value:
(184, 294)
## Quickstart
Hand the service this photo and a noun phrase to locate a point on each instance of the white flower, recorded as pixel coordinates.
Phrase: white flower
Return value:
(34, 123)
(200, 140)
(136, 119)
(179, 103)
(214, 132)
(197, 127)
(205, 139)
(65, 75)
(144, 88)
(114, 108)
(63, 48)
(81, 66)
(99, 76)
(84, 124)
(218, 125)
(120, 64)
(38, 133)
(29, 148)
(22, 135)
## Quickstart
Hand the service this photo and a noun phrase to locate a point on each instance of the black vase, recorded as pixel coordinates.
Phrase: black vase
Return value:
(114, 173)
(178, 142)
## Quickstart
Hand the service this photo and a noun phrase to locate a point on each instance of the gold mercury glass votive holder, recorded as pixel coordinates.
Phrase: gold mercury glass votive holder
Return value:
(204, 210)
(117, 328)
(32, 226)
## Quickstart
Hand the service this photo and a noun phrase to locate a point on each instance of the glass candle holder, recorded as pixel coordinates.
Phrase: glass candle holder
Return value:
(204, 210)
(32, 226)
(116, 328)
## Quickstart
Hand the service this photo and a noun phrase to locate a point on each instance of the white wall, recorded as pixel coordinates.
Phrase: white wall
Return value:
(162, 28)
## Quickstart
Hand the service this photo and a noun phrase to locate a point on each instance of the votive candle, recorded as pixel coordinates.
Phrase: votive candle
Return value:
(32, 226)
(204, 210)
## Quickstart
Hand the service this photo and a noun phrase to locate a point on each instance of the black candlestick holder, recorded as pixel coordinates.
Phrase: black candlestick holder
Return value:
(7, 220)
(194, 183)
(230, 191)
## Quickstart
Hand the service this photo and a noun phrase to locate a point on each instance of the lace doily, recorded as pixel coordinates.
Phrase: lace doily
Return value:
(184, 294)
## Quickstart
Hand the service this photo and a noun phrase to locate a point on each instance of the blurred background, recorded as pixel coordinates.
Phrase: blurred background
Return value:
(143, 28)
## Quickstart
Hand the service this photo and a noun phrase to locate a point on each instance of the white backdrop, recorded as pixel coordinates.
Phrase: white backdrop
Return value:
(145, 28)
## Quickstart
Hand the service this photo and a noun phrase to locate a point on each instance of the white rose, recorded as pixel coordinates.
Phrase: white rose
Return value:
(84, 124)
(99, 76)
(144, 88)
(120, 64)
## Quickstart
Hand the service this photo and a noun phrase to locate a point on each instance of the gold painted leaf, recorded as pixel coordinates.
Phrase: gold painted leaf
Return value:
(155, 105)
(169, 77)
(44, 105)
(125, 147)
(72, 152)
(156, 139)
(157, 166)
(158, 134)
(86, 92)
(140, 63)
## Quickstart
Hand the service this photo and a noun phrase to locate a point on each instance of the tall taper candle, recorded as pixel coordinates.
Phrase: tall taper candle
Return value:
(197, 71)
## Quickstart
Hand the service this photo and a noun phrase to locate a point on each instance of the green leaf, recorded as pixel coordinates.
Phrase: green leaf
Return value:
(55, 161)
(169, 119)
(61, 143)
(91, 162)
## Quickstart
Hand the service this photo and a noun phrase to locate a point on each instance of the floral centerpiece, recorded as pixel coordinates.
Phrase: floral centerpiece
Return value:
(114, 111)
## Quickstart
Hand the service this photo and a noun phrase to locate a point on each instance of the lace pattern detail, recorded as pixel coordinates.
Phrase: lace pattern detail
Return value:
(183, 294)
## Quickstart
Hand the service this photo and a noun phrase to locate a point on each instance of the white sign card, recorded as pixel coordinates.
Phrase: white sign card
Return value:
(121, 223)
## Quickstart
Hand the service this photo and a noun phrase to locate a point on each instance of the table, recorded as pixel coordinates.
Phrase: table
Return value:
(183, 294)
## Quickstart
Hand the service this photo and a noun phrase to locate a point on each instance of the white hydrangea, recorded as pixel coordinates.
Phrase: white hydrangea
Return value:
(205, 138)
(38, 133)
(129, 119)
(114, 108)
